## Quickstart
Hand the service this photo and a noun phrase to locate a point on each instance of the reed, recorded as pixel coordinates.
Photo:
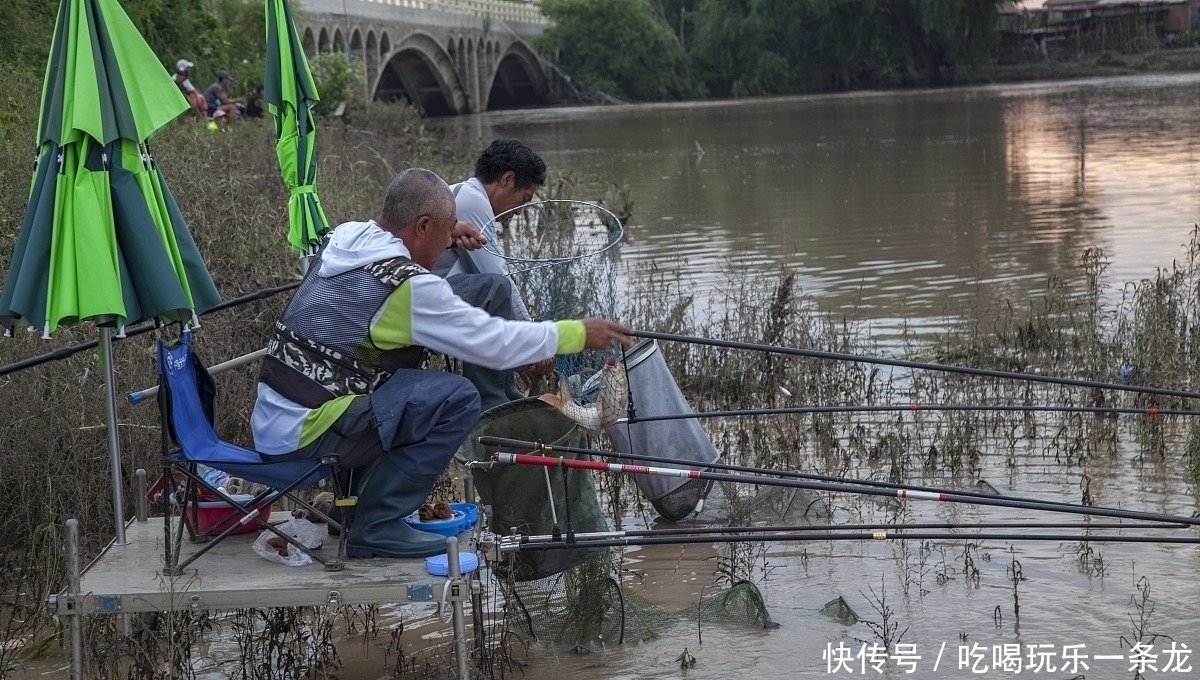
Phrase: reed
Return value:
(228, 185)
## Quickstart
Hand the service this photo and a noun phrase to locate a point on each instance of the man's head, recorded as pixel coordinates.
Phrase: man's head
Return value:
(225, 77)
(510, 172)
(418, 209)
(183, 66)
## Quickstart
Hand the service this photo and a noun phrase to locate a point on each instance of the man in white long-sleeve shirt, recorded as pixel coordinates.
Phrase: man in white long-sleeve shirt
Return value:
(344, 368)
(507, 174)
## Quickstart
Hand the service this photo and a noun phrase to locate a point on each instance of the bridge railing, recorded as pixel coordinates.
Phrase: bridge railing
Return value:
(497, 9)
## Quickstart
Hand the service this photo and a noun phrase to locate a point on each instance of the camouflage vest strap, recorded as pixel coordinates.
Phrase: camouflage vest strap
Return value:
(314, 365)
(395, 271)
(310, 373)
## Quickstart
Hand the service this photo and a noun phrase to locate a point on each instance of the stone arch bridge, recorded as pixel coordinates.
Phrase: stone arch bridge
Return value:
(446, 57)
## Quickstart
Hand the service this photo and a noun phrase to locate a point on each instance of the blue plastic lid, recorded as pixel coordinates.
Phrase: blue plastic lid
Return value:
(439, 565)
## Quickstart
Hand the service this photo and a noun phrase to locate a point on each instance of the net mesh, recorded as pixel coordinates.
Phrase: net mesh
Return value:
(586, 604)
(561, 256)
(680, 503)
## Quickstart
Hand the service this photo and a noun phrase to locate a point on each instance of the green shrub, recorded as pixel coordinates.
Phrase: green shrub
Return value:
(339, 78)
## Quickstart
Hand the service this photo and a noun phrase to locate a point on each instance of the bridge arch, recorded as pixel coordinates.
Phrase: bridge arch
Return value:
(371, 55)
(518, 79)
(433, 53)
(421, 71)
(310, 45)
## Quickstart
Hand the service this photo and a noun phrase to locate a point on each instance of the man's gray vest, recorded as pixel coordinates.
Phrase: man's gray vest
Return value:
(322, 348)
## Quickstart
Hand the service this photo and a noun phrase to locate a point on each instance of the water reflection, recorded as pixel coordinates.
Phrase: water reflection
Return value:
(915, 205)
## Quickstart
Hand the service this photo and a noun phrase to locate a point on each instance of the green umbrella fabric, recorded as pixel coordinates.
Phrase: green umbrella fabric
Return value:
(102, 79)
(102, 237)
(290, 94)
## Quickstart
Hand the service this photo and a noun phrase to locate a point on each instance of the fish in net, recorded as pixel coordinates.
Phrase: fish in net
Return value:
(561, 255)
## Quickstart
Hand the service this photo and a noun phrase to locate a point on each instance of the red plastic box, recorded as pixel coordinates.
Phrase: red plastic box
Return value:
(213, 516)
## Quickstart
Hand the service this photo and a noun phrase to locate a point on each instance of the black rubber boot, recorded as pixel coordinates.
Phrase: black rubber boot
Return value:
(386, 495)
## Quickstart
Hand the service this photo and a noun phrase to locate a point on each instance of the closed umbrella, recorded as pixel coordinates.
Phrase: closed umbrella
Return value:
(103, 239)
(290, 94)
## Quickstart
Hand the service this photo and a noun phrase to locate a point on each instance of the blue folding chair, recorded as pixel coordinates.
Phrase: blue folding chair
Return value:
(186, 399)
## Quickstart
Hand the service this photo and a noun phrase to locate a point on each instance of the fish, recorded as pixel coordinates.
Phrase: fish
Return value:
(610, 403)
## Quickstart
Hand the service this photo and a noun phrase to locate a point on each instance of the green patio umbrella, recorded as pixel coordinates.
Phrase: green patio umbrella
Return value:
(103, 239)
(290, 93)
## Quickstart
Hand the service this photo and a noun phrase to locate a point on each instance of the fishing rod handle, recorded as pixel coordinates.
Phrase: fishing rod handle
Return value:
(513, 443)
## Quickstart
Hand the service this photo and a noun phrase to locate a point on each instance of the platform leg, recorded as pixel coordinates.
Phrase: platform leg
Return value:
(457, 586)
(74, 623)
(142, 511)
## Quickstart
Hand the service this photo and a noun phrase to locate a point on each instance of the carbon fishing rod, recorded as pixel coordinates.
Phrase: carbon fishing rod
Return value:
(813, 528)
(941, 497)
(508, 544)
(889, 408)
(903, 363)
(64, 352)
(550, 449)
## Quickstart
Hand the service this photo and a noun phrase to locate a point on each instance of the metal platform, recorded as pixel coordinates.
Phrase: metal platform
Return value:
(130, 578)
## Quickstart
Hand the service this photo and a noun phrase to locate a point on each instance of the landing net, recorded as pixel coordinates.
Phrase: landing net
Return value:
(587, 604)
(561, 255)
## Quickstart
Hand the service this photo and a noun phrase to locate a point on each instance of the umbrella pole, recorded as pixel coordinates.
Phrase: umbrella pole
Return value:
(114, 441)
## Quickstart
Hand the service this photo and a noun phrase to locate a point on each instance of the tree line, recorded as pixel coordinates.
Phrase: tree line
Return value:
(679, 49)
(213, 34)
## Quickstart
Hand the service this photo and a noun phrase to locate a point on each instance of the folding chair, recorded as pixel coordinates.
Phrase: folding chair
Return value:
(186, 398)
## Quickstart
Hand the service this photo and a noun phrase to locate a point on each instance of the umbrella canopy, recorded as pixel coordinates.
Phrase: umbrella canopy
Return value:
(290, 94)
(102, 237)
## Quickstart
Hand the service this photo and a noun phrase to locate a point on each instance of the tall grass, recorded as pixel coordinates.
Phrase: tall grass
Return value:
(227, 183)
(55, 462)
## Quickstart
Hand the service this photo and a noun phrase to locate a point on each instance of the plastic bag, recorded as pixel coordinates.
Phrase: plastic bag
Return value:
(271, 547)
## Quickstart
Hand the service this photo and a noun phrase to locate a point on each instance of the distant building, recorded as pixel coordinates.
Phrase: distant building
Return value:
(1120, 25)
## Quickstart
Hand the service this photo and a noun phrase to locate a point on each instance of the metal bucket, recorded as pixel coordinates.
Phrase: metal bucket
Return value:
(653, 391)
(518, 494)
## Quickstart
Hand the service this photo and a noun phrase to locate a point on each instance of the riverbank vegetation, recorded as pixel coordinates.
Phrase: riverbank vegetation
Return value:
(650, 50)
(227, 183)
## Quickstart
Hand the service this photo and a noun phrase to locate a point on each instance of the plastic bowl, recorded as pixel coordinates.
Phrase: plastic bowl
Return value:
(453, 526)
(469, 510)
(439, 565)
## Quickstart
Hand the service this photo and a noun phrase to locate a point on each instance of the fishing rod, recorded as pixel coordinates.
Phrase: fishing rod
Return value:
(914, 494)
(508, 544)
(504, 442)
(888, 408)
(813, 528)
(65, 352)
(903, 363)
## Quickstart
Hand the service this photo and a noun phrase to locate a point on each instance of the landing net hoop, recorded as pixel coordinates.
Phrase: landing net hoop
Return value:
(561, 256)
(554, 232)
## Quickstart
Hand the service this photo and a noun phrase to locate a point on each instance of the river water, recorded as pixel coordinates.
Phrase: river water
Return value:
(905, 205)
(905, 209)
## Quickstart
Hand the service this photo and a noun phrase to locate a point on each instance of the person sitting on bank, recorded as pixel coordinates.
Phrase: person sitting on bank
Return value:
(217, 100)
(344, 372)
(254, 107)
(183, 70)
(507, 174)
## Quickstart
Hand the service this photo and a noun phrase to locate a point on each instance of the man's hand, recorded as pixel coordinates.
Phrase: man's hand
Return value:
(466, 236)
(602, 333)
